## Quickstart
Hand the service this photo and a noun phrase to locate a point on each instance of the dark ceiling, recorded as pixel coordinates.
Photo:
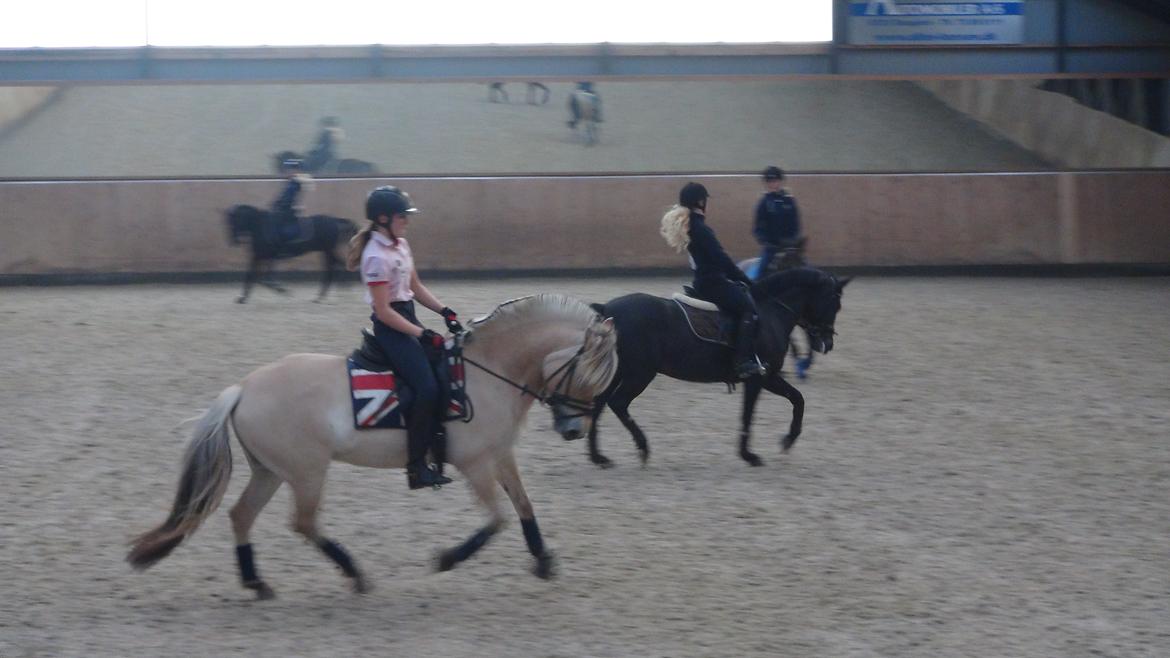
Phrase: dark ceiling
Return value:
(1159, 9)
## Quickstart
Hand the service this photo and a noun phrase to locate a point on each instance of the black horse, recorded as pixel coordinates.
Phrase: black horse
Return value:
(655, 336)
(324, 234)
(332, 166)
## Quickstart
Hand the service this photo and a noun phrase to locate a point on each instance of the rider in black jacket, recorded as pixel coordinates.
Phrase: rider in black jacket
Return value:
(719, 279)
(286, 223)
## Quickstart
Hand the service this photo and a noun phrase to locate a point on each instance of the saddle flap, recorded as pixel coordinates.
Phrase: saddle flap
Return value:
(453, 403)
(707, 324)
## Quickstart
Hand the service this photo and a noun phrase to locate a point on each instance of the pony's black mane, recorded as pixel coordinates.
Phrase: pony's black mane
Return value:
(775, 283)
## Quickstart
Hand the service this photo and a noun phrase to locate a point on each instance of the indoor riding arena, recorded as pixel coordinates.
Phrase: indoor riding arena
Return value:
(984, 467)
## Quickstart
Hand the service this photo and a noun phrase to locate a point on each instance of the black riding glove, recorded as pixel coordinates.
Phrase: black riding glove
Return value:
(452, 321)
(431, 339)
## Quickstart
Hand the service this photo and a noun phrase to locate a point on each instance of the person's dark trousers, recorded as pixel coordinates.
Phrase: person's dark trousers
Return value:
(766, 256)
(410, 363)
(733, 298)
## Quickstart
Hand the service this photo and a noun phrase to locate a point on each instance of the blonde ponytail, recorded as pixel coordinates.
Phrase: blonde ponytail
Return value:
(357, 244)
(676, 224)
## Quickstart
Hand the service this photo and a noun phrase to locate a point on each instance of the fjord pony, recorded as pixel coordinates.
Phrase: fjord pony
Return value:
(293, 417)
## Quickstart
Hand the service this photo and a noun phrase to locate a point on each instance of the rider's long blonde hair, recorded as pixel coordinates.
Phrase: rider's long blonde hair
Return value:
(357, 244)
(676, 224)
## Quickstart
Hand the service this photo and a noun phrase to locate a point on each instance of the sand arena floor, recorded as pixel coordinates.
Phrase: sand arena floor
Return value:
(985, 471)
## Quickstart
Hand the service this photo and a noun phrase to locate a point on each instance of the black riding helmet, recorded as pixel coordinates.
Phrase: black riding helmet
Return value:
(692, 195)
(773, 173)
(389, 201)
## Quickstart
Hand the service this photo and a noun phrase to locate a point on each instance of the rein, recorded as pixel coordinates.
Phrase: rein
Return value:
(557, 397)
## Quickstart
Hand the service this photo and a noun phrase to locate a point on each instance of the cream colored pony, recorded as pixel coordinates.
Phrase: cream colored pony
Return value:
(293, 417)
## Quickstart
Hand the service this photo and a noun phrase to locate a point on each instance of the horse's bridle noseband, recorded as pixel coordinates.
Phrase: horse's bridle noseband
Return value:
(559, 397)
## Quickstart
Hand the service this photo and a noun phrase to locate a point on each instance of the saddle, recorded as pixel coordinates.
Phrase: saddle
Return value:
(706, 321)
(370, 362)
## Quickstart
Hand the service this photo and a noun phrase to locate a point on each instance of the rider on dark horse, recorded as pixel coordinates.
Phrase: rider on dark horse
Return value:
(325, 150)
(717, 278)
(285, 230)
(575, 108)
(777, 224)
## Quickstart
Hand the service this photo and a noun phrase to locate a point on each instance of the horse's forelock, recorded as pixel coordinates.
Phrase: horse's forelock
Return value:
(600, 361)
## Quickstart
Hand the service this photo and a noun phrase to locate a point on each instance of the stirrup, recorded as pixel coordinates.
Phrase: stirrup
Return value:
(425, 477)
(750, 368)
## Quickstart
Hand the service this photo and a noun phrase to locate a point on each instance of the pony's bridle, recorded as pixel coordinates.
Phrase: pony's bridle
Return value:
(559, 397)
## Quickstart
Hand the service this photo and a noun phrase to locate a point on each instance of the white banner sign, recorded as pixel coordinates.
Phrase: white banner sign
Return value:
(934, 22)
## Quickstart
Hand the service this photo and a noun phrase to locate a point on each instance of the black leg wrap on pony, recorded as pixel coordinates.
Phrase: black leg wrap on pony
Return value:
(532, 537)
(339, 556)
(473, 544)
(247, 564)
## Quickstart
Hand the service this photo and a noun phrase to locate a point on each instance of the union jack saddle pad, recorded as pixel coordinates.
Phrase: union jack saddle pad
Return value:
(378, 401)
(382, 401)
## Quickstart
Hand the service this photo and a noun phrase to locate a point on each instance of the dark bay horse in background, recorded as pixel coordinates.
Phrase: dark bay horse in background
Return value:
(655, 336)
(330, 167)
(785, 257)
(324, 234)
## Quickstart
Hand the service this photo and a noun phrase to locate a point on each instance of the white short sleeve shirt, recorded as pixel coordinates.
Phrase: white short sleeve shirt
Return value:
(385, 262)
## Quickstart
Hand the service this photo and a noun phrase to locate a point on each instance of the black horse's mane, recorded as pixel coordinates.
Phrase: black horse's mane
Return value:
(778, 282)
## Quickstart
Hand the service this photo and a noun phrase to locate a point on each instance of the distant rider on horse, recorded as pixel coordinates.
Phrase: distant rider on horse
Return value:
(287, 209)
(777, 224)
(575, 106)
(717, 278)
(324, 151)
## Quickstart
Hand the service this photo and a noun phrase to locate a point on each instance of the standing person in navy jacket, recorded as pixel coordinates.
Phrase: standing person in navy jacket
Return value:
(717, 278)
(777, 224)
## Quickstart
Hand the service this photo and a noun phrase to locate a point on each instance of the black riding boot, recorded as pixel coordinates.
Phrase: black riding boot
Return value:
(747, 363)
(419, 473)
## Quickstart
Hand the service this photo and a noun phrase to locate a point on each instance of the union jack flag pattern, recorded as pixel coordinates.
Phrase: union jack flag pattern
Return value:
(376, 399)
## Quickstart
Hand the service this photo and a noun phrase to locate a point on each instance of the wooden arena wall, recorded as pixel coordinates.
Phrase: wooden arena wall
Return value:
(497, 224)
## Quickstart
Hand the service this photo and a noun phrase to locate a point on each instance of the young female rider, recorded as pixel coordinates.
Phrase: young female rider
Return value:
(717, 278)
(392, 285)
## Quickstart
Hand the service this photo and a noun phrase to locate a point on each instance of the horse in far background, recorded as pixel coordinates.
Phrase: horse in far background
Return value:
(585, 108)
(333, 166)
(323, 233)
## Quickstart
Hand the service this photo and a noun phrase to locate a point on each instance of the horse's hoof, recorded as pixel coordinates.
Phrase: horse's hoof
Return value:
(786, 443)
(241, 300)
(544, 566)
(644, 456)
(263, 591)
(601, 460)
(361, 585)
(445, 561)
(752, 458)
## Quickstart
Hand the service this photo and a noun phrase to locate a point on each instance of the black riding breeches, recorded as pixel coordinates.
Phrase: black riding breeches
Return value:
(407, 357)
(726, 294)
